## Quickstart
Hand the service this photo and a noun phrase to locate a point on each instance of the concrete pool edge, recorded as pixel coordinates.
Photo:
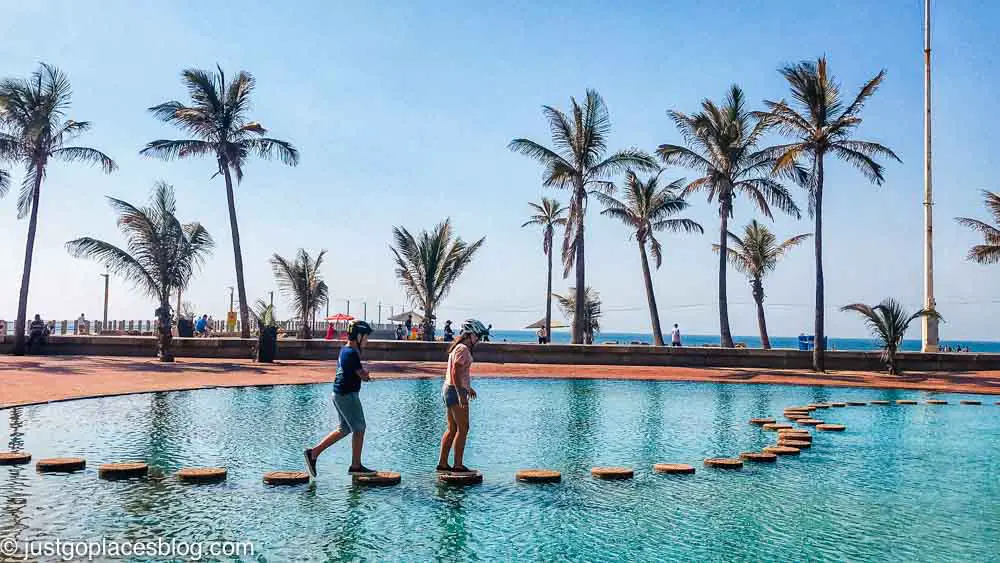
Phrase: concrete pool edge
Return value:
(29, 381)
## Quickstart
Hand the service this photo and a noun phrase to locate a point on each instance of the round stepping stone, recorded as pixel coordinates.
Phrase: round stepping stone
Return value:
(878, 402)
(122, 470)
(800, 444)
(820, 405)
(856, 403)
(612, 472)
(936, 402)
(810, 422)
(760, 421)
(838, 405)
(770, 427)
(798, 409)
(970, 402)
(782, 450)
(61, 464)
(14, 458)
(798, 416)
(538, 476)
(286, 478)
(382, 479)
(461, 478)
(906, 402)
(202, 474)
(682, 468)
(795, 437)
(761, 457)
(830, 427)
(724, 463)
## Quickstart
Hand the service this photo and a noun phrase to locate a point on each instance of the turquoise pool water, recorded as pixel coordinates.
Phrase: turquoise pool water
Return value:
(903, 483)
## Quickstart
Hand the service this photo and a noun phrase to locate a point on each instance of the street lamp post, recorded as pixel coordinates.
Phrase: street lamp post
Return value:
(930, 325)
(107, 276)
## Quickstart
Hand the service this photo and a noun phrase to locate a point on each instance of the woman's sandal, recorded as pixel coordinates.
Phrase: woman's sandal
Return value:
(443, 469)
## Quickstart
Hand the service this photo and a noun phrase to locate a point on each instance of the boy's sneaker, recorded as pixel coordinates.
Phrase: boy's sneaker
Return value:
(310, 463)
(361, 470)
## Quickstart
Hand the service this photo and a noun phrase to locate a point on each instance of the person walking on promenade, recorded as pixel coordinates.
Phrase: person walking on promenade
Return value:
(457, 392)
(449, 333)
(346, 399)
(675, 336)
(37, 333)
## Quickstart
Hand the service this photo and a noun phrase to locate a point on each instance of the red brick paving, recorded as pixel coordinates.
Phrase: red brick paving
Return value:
(30, 380)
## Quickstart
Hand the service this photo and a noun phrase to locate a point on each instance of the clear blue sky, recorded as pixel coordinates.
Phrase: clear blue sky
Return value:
(402, 112)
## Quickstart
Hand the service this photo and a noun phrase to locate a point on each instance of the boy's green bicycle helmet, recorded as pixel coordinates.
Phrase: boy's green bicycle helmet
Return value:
(472, 326)
(356, 329)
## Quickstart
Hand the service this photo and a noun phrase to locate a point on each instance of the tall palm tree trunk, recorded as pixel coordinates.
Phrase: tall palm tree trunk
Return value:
(237, 253)
(654, 315)
(548, 299)
(29, 252)
(164, 338)
(758, 297)
(725, 335)
(581, 281)
(819, 362)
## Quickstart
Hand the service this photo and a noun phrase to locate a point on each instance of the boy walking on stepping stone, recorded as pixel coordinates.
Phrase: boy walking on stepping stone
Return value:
(346, 399)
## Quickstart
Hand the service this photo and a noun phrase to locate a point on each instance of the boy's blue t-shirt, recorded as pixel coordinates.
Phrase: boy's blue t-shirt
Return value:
(348, 372)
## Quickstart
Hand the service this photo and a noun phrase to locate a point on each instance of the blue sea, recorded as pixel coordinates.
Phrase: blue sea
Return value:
(791, 342)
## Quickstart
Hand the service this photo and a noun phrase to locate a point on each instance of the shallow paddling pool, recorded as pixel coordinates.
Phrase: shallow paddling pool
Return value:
(901, 483)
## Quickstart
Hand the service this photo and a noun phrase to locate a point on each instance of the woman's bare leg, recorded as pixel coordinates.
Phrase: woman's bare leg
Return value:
(448, 438)
(461, 415)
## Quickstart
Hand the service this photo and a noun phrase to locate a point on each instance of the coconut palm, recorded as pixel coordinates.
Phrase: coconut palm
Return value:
(33, 132)
(888, 322)
(548, 214)
(429, 265)
(989, 251)
(591, 311)
(722, 145)
(300, 281)
(821, 125)
(161, 254)
(646, 209)
(756, 254)
(578, 162)
(221, 128)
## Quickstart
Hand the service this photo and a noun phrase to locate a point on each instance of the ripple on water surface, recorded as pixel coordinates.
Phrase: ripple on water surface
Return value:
(901, 483)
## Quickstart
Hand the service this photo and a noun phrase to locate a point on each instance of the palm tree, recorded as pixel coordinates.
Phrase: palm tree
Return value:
(755, 254)
(161, 254)
(300, 281)
(821, 124)
(578, 163)
(428, 266)
(34, 131)
(591, 311)
(989, 251)
(549, 214)
(218, 121)
(646, 209)
(721, 145)
(888, 322)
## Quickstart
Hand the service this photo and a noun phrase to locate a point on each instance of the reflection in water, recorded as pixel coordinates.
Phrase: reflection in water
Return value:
(723, 437)
(583, 417)
(450, 516)
(761, 400)
(652, 417)
(16, 442)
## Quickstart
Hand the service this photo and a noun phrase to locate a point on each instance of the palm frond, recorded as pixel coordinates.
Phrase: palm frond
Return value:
(86, 155)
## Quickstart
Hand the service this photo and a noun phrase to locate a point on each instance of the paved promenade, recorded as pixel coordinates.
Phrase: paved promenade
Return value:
(33, 379)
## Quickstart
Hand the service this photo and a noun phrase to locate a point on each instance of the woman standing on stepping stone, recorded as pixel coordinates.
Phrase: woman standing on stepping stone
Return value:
(346, 399)
(456, 393)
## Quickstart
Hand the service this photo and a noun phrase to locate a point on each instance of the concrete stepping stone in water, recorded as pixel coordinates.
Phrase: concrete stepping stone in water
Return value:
(936, 402)
(760, 457)
(460, 478)
(382, 479)
(810, 422)
(61, 464)
(830, 427)
(673, 468)
(202, 474)
(125, 470)
(612, 472)
(800, 444)
(278, 478)
(782, 450)
(724, 463)
(906, 402)
(771, 427)
(761, 421)
(820, 405)
(878, 402)
(970, 402)
(538, 476)
(14, 458)
(838, 405)
(857, 404)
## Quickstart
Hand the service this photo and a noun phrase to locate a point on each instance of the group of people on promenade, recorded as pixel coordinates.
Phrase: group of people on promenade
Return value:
(456, 393)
